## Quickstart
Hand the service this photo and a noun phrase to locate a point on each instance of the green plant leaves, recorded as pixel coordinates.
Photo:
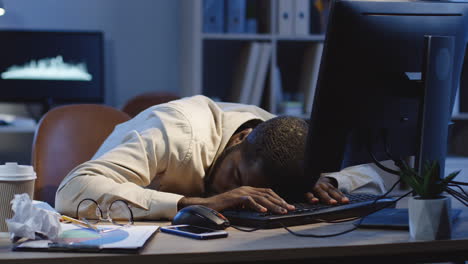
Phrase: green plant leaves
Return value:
(450, 177)
(411, 177)
(428, 184)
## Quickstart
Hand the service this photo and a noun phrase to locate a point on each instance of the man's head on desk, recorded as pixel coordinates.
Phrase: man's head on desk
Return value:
(262, 165)
(262, 155)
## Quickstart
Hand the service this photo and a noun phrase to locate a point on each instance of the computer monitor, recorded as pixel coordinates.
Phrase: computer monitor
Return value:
(387, 82)
(51, 66)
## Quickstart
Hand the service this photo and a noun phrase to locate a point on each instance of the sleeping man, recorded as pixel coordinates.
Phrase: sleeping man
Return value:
(197, 151)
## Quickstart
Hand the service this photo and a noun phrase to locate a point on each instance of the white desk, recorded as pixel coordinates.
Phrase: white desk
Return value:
(274, 246)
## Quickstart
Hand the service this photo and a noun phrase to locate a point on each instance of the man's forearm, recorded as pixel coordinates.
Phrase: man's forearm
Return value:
(362, 178)
(186, 201)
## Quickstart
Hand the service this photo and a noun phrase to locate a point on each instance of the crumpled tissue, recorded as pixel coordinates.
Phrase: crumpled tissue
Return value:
(29, 220)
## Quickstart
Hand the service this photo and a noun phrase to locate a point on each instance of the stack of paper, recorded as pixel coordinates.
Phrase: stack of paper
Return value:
(309, 75)
(251, 73)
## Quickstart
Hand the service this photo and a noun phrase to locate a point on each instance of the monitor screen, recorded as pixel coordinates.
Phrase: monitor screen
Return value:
(51, 65)
(371, 89)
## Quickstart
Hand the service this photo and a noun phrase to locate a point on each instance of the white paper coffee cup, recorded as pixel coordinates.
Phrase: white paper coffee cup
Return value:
(14, 179)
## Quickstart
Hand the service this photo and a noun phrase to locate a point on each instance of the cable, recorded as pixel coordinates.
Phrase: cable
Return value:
(382, 167)
(397, 162)
(318, 236)
(460, 200)
(378, 164)
(338, 221)
(461, 189)
(460, 197)
(387, 150)
(391, 189)
(459, 183)
(246, 230)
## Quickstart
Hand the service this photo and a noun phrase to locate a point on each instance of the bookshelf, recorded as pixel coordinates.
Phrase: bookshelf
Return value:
(212, 63)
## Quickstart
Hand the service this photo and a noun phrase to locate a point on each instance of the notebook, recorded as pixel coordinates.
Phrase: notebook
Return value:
(77, 239)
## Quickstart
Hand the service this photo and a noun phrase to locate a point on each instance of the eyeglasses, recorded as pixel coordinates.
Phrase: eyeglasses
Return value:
(89, 211)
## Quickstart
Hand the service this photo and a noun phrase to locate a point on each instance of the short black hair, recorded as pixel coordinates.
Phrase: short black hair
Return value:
(278, 145)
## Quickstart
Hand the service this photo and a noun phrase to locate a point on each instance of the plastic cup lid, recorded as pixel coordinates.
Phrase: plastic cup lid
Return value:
(11, 171)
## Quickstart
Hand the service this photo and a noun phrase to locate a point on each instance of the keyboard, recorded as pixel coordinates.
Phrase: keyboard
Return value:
(359, 205)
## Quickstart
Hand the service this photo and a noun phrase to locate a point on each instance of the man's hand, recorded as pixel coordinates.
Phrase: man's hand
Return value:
(324, 191)
(258, 199)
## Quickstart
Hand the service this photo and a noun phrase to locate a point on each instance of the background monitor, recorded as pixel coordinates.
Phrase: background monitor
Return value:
(373, 84)
(57, 66)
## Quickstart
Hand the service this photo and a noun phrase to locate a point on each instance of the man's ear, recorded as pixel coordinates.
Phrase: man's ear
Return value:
(239, 137)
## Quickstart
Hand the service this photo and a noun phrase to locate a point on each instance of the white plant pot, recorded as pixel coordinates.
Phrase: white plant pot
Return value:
(429, 219)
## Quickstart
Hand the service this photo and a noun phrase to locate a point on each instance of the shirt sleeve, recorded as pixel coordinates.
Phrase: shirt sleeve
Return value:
(122, 173)
(364, 178)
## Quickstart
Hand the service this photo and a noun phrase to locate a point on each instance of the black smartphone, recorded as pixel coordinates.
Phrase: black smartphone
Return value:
(194, 231)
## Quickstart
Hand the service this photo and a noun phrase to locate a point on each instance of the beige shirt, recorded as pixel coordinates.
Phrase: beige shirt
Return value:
(162, 154)
(157, 157)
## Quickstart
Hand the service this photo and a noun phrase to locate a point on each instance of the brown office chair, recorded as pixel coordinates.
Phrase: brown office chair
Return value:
(140, 102)
(65, 137)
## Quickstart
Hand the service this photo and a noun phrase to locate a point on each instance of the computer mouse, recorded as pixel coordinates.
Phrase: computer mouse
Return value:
(199, 215)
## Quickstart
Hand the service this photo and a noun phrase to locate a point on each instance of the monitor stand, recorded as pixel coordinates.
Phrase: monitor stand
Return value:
(435, 109)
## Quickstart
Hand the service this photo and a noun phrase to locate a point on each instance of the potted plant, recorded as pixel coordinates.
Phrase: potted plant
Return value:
(429, 209)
